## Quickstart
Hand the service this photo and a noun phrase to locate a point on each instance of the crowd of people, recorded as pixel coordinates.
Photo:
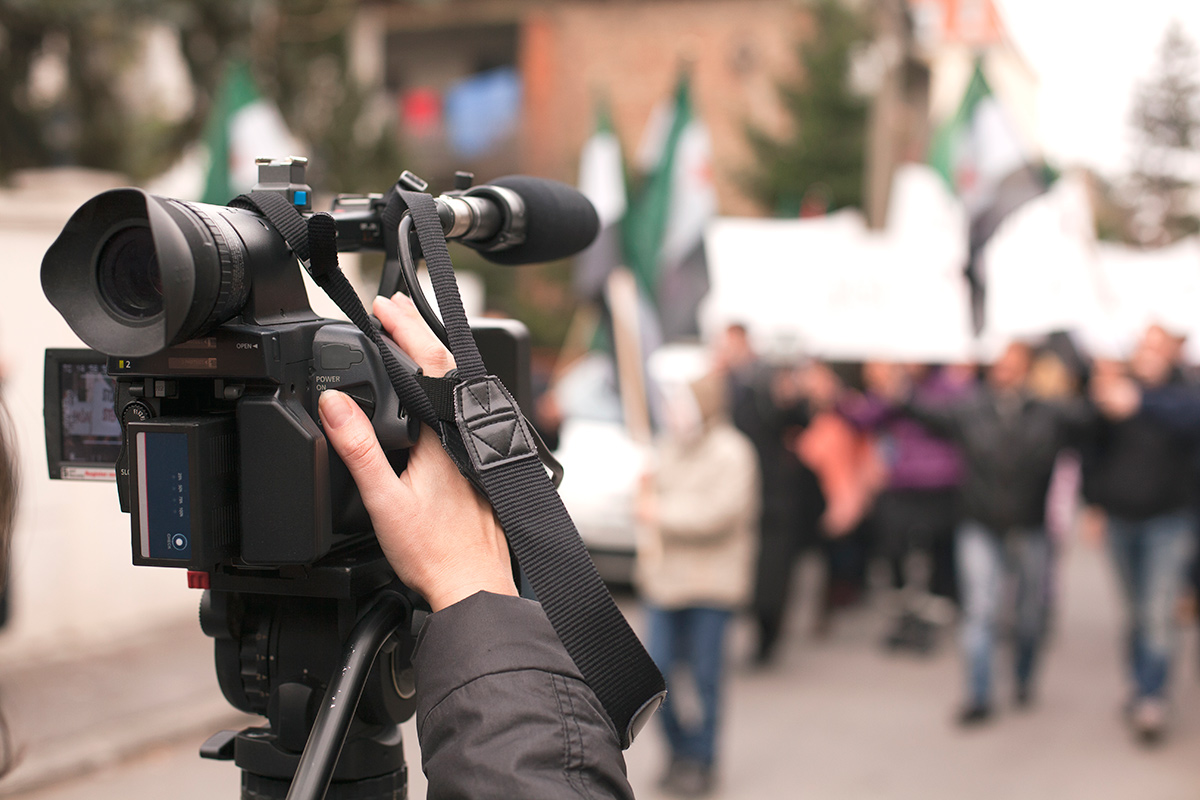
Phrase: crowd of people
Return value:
(964, 480)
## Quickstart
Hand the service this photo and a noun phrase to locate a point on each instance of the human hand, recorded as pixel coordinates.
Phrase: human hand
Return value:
(887, 380)
(645, 507)
(1092, 525)
(788, 386)
(1117, 396)
(822, 385)
(439, 534)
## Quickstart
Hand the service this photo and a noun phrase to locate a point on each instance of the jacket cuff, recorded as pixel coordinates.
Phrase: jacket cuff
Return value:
(483, 635)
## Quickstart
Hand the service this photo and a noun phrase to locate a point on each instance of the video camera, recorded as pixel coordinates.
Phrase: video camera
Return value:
(208, 421)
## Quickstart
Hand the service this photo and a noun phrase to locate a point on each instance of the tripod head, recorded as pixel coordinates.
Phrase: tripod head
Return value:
(326, 659)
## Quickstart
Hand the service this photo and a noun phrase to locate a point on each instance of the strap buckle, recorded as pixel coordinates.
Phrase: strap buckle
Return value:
(491, 424)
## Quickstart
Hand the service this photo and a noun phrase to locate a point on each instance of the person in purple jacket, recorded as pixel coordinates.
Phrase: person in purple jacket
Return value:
(916, 514)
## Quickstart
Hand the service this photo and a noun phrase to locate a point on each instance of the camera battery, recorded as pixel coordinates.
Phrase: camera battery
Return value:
(183, 477)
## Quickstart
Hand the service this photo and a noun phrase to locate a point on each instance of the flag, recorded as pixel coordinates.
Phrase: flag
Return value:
(601, 276)
(984, 162)
(978, 147)
(664, 231)
(601, 180)
(243, 126)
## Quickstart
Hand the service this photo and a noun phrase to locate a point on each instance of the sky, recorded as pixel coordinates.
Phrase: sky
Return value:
(1089, 56)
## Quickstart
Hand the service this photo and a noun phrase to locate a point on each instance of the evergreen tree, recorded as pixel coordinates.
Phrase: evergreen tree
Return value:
(821, 156)
(1166, 126)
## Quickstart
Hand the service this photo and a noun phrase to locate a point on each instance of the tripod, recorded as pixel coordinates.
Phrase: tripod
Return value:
(324, 656)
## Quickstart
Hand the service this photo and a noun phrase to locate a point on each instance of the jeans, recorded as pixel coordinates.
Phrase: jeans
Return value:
(695, 638)
(1152, 558)
(985, 559)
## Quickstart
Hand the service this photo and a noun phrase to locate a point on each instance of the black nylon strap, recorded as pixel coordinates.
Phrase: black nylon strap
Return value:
(283, 215)
(441, 272)
(440, 392)
(539, 530)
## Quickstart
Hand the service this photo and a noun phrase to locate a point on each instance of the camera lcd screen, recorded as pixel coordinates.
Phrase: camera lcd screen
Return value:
(83, 434)
(91, 431)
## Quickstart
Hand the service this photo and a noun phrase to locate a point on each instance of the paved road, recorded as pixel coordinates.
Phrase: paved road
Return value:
(836, 718)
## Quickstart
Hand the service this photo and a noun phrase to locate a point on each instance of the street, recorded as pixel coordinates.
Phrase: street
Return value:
(837, 717)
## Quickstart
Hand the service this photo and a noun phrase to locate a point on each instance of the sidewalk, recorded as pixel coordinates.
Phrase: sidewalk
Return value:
(90, 710)
(836, 719)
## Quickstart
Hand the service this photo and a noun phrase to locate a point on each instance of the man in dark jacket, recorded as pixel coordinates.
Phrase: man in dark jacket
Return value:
(502, 710)
(762, 408)
(1141, 472)
(1009, 443)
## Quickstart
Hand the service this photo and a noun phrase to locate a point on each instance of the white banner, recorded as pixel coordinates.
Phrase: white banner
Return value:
(1045, 271)
(828, 287)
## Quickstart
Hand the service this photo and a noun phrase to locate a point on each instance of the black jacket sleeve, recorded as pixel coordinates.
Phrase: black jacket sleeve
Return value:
(1176, 406)
(502, 712)
(943, 422)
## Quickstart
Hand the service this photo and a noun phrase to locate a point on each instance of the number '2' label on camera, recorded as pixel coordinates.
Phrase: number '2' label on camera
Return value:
(163, 496)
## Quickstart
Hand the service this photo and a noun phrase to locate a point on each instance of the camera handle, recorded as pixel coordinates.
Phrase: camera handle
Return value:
(408, 271)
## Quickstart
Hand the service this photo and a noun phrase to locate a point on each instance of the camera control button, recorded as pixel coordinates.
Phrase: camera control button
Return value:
(135, 412)
(364, 395)
(339, 356)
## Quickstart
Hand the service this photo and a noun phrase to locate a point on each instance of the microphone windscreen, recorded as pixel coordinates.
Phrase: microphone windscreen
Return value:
(559, 221)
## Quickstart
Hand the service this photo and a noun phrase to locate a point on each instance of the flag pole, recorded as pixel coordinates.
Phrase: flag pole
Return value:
(576, 344)
(622, 292)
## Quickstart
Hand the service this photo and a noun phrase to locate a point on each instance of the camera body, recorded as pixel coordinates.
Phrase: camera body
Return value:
(216, 363)
(223, 458)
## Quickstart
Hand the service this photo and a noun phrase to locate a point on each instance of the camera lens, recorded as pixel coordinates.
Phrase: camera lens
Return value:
(128, 274)
(133, 273)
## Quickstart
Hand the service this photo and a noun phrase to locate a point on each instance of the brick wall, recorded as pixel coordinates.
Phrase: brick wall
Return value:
(630, 52)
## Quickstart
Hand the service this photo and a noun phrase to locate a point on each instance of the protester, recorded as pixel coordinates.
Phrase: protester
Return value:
(1009, 442)
(1141, 473)
(847, 465)
(765, 405)
(916, 514)
(699, 509)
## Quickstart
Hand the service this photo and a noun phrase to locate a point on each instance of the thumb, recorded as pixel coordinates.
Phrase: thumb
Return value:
(353, 439)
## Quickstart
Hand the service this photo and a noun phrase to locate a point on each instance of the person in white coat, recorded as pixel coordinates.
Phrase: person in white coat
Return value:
(699, 510)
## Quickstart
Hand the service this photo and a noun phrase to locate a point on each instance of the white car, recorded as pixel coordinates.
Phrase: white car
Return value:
(603, 464)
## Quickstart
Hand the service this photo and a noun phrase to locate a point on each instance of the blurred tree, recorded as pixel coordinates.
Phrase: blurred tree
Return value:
(1166, 127)
(302, 60)
(65, 98)
(1113, 215)
(62, 64)
(819, 162)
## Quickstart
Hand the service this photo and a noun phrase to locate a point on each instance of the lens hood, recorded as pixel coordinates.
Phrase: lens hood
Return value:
(186, 264)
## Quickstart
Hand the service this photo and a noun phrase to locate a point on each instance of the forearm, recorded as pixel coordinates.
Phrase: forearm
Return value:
(502, 711)
(941, 422)
(865, 413)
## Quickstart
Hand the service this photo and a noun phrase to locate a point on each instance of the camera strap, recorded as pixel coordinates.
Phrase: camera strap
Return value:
(484, 432)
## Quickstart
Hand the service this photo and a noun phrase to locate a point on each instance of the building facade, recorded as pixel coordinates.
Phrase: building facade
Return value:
(569, 57)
